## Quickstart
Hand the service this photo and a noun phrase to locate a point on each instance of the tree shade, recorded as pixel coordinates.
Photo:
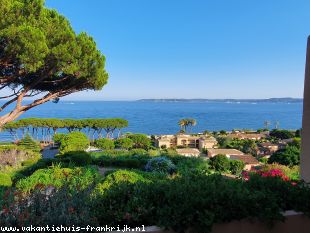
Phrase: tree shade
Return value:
(41, 55)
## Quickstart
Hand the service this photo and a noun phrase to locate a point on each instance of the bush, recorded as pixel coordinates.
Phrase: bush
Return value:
(28, 143)
(74, 141)
(5, 180)
(153, 153)
(291, 172)
(119, 159)
(58, 177)
(161, 165)
(236, 167)
(138, 152)
(190, 165)
(117, 177)
(223, 200)
(140, 141)
(289, 156)
(16, 158)
(79, 158)
(281, 134)
(104, 144)
(220, 163)
(59, 208)
(123, 143)
(58, 137)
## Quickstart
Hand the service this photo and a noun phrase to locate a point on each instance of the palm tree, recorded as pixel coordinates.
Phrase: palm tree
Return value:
(187, 122)
(191, 122)
(182, 124)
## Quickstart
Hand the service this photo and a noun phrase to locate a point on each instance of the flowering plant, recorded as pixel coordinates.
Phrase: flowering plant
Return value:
(271, 173)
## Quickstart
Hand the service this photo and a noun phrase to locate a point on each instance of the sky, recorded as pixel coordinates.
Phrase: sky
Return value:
(195, 48)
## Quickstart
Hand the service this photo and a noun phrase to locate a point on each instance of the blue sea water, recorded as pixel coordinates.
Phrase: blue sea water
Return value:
(162, 117)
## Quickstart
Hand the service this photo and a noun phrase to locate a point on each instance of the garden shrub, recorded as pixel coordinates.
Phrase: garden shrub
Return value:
(220, 163)
(104, 144)
(153, 153)
(223, 200)
(190, 165)
(281, 134)
(28, 143)
(58, 137)
(289, 156)
(15, 158)
(74, 141)
(79, 158)
(123, 143)
(61, 208)
(161, 165)
(5, 180)
(58, 177)
(291, 172)
(120, 161)
(236, 166)
(138, 152)
(117, 177)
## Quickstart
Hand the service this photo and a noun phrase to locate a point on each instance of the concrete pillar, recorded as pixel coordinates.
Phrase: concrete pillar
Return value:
(305, 142)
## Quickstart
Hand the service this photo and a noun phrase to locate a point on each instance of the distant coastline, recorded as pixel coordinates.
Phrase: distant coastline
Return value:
(270, 100)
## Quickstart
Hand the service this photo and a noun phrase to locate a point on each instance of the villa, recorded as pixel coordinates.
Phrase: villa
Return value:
(188, 152)
(248, 160)
(252, 136)
(234, 154)
(227, 152)
(266, 149)
(185, 140)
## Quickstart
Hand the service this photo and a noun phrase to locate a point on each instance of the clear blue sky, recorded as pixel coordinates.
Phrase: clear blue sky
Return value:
(195, 48)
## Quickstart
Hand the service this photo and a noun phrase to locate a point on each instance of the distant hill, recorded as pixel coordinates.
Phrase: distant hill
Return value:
(270, 100)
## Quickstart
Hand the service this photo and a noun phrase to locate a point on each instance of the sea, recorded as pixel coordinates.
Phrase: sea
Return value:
(151, 117)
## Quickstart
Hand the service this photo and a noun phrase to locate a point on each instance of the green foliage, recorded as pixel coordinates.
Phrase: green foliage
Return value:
(5, 180)
(298, 133)
(126, 159)
(247, 146)
(236, 167)
(78, 158)
(290, 172)
(74, 141)
(104, 144)
(117, 177)
(191, 165)
(47, 54)
(185, 123)
(138, 152)
(220, 163)
(15, 158)
(223, 200)
(281, 134)
(289, 156)
(28, 143)
(140, 141)
(161, 165)
(58, 177)
(61, 207)
(123, 143)
(59, 137)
